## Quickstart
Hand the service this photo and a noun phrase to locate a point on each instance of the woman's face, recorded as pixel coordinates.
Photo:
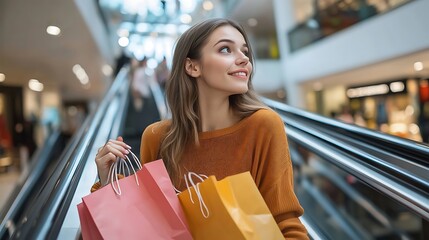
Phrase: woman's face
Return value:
(224, 66)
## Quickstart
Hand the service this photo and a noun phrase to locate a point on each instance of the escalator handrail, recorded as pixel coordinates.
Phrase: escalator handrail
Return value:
(73, 154)
(415, 180)
(38, 162)
(110, 127)
(412, 146)
(82, 149)
(401, 192)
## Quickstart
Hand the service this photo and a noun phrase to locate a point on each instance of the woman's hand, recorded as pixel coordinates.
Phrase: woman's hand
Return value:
(107, 155)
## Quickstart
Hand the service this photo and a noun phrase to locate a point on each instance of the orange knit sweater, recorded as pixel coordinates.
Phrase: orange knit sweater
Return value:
(257, 144)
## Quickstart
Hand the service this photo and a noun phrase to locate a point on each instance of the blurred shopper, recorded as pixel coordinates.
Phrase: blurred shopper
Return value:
(162, 73)
(5, 136)
(382, 117)
(365, 10)
(358, 119)
(424, 122)
(218, 127)
(123, 60)
(141, 84)
(345, 114)
(29, 131)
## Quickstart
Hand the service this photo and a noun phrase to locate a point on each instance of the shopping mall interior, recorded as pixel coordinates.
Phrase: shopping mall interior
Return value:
(350, 79)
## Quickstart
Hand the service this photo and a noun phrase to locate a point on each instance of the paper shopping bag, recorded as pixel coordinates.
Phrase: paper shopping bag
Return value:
(87, 226)
(231, 208)
(146, 208)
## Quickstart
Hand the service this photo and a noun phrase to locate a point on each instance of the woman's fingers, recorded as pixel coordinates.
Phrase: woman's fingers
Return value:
(117, 147)
(108, 154)
(106, 159)
(119, 142)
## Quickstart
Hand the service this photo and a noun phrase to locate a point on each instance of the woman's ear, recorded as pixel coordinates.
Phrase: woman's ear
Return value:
(192, 68)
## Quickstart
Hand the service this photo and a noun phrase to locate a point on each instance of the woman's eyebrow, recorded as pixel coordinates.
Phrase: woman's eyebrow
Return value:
(228, 41)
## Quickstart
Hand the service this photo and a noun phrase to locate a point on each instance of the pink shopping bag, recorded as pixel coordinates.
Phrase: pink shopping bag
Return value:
(88, 229)
(146, 207)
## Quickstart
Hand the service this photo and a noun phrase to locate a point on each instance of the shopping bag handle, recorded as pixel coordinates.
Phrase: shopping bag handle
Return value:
(203, 207)
(123, 163)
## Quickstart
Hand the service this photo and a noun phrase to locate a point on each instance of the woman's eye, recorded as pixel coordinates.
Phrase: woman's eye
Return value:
(225, 50)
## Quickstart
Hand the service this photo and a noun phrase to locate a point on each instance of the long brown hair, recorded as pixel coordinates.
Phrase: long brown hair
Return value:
(182, 93)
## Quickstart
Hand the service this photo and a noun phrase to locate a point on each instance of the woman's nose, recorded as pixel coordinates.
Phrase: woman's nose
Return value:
(242, 59)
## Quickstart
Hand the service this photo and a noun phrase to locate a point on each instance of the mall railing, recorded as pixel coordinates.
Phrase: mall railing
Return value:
(336, 16)
(356, 183)
(27, 184)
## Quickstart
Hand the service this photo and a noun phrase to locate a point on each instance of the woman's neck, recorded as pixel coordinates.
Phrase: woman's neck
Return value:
(216, 114)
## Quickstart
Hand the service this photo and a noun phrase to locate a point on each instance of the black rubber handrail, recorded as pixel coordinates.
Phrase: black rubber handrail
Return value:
(412, 150)
(396, 166)
(398, 184)
(389, 186)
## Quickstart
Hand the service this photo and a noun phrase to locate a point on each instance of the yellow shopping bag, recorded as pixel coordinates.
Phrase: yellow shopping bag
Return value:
(231, 208)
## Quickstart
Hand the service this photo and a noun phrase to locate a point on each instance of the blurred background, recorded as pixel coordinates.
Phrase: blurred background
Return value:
(362, 62)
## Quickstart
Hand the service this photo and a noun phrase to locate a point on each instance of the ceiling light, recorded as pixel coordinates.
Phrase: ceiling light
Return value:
(35, 85)
(207, 5)
(80, 74)
(397, 86)
(252, 22)
(107, 70)
(2, 77)
(418, 66)
(123, 41)
(186, 18)
(53, 30)
(368, 91)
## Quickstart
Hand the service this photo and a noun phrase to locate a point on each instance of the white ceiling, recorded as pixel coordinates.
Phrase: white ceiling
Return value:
(26, 51)
(389, 70)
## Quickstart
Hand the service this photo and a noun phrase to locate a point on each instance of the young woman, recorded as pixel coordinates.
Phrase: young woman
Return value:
(218, 125)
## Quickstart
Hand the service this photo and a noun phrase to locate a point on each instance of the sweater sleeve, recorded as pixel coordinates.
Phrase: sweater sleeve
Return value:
(274, 178)
(151, 140)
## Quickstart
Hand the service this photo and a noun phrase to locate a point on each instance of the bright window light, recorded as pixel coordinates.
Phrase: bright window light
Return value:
(186, 18)
(122, 32)
(123, 41)
(152, 63)
(187, 6)
(207, 5)
(2, 77)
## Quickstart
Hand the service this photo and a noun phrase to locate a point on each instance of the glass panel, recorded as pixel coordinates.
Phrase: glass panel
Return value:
(331, 16)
